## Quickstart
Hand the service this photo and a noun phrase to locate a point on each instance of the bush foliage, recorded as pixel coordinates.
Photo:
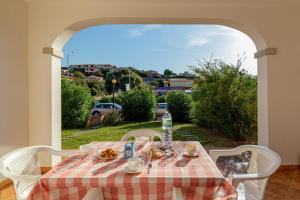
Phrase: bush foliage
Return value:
(112, 118)
(76, 104)
(138, 104)
(122, 77)
(96, 87)
(179, 105)
(225, 98)
(161, 99)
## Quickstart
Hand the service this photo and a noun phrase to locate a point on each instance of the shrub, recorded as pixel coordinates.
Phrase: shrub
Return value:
(161, 99)
(112, 118)
(138, 104)
(179, 105)
(225, 98)
(76, 104)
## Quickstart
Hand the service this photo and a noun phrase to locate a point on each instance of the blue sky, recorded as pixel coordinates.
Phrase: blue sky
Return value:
(158, 47)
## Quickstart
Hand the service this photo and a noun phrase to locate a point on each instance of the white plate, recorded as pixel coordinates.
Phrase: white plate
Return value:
(191, 155)
(127, 170)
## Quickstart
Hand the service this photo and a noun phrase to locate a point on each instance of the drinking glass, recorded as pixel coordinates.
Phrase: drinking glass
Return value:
(145, 155)
(178, 148)
(89, 149)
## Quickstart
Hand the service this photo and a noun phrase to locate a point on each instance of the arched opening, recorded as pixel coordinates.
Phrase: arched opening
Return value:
(61, 40)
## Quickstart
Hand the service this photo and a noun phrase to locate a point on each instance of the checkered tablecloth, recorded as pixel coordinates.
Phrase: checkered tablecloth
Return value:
(198, 178)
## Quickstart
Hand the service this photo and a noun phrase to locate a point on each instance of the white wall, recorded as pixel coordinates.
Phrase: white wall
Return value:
(275, 21)
(13, 75)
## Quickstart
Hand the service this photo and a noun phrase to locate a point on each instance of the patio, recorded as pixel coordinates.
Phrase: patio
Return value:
(33, 33)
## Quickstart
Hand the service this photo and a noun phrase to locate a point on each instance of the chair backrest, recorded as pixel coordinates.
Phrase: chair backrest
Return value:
(264, 162)
(142, 133)
(23, 168)
(23, 161)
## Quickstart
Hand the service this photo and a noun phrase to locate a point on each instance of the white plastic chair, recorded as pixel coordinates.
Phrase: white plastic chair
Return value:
(23, 168)
(263, 163)
(142, 135)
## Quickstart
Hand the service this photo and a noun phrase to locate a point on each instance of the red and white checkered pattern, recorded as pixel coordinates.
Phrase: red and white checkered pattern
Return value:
(198, 177)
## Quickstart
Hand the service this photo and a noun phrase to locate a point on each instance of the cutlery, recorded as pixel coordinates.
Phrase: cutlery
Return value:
(150, 163)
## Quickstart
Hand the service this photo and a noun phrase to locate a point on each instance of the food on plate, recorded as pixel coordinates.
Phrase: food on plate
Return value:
(108, 154)
(157, 153)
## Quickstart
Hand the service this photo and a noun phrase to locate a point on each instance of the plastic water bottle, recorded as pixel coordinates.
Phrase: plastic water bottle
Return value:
(129, 149)
(167, 127)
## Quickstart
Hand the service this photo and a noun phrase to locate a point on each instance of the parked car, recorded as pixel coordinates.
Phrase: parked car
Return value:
(161, 109)
(102, 108)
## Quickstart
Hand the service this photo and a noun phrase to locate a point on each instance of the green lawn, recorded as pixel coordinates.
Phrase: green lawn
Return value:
(73, 138)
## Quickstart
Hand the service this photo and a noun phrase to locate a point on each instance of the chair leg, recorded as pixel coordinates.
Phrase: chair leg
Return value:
(177, 194)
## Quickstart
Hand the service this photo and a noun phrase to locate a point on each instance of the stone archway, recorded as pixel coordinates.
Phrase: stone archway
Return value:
(64, 36)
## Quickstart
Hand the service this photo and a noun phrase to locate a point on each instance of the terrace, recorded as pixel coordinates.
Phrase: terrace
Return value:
(33, 33)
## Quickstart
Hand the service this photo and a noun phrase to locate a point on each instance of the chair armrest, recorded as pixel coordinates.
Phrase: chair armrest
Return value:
(244, 177)
(66, 153)
(238, 178)
(55, 152)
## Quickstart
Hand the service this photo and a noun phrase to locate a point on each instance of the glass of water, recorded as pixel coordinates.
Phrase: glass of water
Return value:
(88, 149)
(145, 155)
(178, 148)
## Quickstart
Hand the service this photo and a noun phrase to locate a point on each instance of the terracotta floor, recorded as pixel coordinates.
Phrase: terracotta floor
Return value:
(283, 185)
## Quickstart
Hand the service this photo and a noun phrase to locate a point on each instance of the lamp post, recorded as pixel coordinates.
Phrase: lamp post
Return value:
(113, 81)
(68, 66)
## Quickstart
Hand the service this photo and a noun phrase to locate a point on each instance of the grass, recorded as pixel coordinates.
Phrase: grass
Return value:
(73, 138)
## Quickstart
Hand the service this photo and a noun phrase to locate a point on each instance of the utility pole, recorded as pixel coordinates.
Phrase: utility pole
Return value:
(129, 78)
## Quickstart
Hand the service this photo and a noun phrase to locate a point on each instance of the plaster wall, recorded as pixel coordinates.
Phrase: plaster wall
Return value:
(13, 75)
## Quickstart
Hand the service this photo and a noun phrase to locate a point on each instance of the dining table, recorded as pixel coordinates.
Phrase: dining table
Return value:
(197, 177)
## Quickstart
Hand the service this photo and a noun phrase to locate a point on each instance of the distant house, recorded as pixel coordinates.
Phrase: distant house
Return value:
(152, 74)
(64, 72)
(94, 78)
(105, 66)
(186, 74)
(92, 68)
(179, 82)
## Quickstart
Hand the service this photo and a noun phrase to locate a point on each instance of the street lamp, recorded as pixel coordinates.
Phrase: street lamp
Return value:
(113, 81)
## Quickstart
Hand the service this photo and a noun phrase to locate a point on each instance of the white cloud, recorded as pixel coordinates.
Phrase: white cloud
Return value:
(135, 33)
(197, 42)
(152, 26)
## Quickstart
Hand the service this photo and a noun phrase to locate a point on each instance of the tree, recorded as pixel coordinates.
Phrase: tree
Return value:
(122, 77)
(160, 83)
(179, 106)
(138, 104)
(225, 98)
(96, 87)
(135, 80)
(154, 83)
(76, 103)
(168, 72)
(78, 74)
